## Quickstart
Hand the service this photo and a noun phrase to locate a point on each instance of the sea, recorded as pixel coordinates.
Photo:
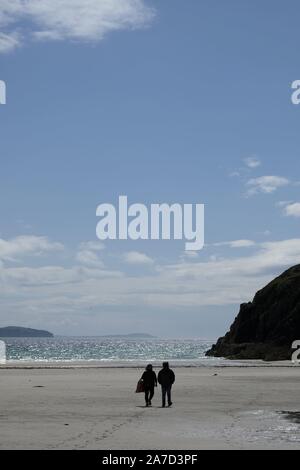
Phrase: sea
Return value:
(112, 350)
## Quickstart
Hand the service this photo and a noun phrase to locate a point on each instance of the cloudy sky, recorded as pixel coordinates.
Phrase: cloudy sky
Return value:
(171, 101)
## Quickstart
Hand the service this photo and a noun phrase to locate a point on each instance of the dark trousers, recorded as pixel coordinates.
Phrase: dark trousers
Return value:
(149, 393)
(166, 390)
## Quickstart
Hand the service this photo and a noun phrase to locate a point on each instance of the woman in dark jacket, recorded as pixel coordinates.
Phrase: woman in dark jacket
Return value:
(150, 381)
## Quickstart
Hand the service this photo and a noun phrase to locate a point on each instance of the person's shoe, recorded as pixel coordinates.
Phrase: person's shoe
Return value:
(163, 406)
(170, 404)
(147, 404)
(150, 404)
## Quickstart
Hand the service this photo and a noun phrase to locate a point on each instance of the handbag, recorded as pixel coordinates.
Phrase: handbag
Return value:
(140, 388)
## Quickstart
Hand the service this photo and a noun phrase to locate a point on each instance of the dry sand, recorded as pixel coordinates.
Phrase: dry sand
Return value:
(96, 408)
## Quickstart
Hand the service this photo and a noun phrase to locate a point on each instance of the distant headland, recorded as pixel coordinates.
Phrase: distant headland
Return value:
(20, 332)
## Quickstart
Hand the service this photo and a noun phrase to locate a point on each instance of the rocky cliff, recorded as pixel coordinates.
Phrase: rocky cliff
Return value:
(266, 327)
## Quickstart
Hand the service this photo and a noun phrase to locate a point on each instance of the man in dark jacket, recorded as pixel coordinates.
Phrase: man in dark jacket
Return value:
(150, 381)
(166, 378)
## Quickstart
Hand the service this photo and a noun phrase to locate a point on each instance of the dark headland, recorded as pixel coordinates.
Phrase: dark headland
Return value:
(20, 332)
(266, 327)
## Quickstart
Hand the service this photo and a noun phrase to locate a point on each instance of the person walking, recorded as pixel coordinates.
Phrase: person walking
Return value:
(166, 379)
(150, 381)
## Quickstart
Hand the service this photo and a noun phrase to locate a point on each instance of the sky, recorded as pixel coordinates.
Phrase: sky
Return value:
(165, 102)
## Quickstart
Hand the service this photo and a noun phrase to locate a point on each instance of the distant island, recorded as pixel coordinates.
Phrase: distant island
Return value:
(20, 332)
(266, 327)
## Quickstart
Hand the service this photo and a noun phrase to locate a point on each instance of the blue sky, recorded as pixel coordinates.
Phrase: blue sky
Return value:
(170, 101)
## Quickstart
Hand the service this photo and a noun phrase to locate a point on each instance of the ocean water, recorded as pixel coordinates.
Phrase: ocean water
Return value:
(67, 349)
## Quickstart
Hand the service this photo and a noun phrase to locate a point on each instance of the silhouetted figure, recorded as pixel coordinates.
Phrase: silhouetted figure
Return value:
(166, 378)
(150, 381)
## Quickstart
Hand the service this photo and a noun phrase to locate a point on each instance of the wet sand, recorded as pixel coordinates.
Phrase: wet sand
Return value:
(90, 407)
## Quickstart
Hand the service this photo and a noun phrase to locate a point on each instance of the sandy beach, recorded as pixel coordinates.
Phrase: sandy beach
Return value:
(85, 407)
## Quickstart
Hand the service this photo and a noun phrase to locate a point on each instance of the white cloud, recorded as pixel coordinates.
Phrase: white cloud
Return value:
(9, 9)
(283, 203)
(81, 20)
(89, 258)
(190, 254)
(60, 292)
(31, 280)
(88, 254)
(292, 210)
(265, 184)
(242, 243)
(8, 42)
(26, 245)
(235, 174)
(237, 243)
(252, 162)
(227, 280)
(92, 246)
(135, 257)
